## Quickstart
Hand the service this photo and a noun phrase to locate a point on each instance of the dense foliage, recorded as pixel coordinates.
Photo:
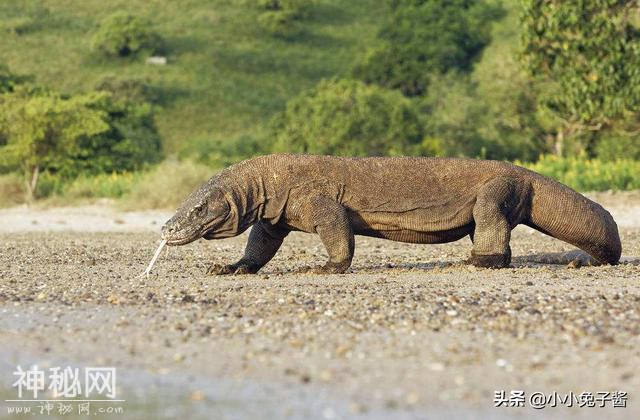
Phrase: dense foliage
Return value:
(45, 131)
(427, 37)
(584, 174)
(122, 35)
(588, 54)
(130, 142)
(346, 117)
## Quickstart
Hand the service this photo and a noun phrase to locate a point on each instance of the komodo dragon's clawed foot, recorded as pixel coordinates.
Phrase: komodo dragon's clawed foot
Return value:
(490, 261)
(227, 269)
(328, 268)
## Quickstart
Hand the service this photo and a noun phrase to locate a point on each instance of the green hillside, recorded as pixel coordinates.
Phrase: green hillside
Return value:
(224, 76)
(496, 79)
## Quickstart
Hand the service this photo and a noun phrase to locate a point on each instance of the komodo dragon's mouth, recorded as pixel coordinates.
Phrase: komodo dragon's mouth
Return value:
(191, 236)
(173, 239)
(183, 241)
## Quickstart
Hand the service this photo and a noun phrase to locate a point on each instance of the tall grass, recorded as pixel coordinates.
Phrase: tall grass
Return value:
(584, 174)
(12, 190)
(162, 187)
(115, 185)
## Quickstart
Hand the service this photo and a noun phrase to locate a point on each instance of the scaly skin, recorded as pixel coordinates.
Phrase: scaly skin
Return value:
(417, 200)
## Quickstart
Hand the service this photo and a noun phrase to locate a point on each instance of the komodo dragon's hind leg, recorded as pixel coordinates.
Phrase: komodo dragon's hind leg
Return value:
(264, 241)
(492, 227)
(333, 224)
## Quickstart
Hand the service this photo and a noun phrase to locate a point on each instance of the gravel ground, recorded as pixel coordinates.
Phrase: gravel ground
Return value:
(409, 332)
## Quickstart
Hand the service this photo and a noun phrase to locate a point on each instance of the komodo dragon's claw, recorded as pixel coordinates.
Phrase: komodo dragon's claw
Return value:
(328, 268)
(218, 269)
(226, 269)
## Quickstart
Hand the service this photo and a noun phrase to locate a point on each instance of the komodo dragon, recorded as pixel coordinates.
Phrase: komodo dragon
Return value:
(407, 199)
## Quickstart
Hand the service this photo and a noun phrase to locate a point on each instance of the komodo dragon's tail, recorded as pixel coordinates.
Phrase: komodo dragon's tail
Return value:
(569, 216)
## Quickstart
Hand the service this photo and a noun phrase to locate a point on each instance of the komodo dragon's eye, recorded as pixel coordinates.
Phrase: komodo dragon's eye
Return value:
(201, 210)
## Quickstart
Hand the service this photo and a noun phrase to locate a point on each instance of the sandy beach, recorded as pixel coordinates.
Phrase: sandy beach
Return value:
(409, 332)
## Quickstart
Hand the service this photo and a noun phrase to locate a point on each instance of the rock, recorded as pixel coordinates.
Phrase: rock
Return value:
(157, 60)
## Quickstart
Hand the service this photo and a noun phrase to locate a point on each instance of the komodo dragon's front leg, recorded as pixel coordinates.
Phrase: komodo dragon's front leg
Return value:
(264, 241)
(332, 223)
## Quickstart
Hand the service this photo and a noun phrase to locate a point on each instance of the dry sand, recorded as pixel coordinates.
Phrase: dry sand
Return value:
(409, 332)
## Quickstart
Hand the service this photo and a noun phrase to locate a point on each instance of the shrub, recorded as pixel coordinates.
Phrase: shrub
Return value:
(347, 117)
(281, 18)
(9, 81)
(281, 24)
(50, 185)
(113, 185)
(585, 174)
(612, 147)
(166, 185)
(130, 143)
(124, 35)
(163, 186)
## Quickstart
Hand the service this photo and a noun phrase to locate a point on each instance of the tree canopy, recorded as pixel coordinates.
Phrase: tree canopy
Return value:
(347, 117)
(587, 53)
(426, 37)
(43, 129)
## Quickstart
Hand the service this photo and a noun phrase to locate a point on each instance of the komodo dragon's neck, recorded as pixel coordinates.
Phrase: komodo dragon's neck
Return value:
(246, 191)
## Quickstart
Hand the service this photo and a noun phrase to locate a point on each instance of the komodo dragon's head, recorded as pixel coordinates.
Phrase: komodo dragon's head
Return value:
(205, 213)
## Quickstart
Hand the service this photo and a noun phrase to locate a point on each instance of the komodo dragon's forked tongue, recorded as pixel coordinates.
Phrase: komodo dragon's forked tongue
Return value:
(154, 259)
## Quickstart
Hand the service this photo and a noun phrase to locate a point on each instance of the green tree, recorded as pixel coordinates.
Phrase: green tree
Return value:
(586, 56)
(122, 35)
(130, 142)
(347, 117)
(427, 37)
(452, 114)
(504, 95)
(43, 129)
(8, 82)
